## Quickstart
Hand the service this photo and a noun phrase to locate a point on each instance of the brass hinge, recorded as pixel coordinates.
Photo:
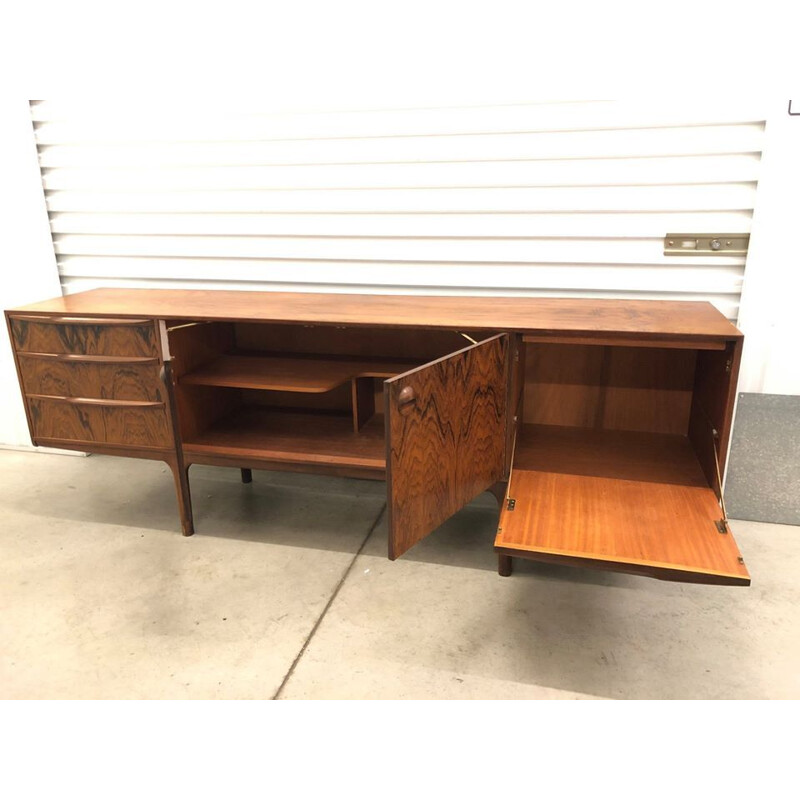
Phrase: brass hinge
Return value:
(722, 524)
(510, 503)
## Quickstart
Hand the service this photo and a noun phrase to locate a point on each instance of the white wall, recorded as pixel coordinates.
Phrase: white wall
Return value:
(770, 305)
(28, 270)
(532, 198)
(633, 150)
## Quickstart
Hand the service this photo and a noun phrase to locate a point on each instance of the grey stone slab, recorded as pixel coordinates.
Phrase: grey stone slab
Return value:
(763, 481)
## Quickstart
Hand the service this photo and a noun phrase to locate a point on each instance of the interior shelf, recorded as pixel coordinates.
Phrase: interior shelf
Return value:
(627, 501)
(291, 374)
(268, 434)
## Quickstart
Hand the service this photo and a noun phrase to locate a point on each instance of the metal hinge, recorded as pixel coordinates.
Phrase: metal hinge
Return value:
(722, 524)
(510, 503)
(728, 365)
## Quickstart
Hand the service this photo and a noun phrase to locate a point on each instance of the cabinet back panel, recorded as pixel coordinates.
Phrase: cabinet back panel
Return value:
(422, 345)
(609, 388)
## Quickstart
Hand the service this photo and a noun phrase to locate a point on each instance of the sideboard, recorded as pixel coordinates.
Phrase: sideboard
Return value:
(601, 426)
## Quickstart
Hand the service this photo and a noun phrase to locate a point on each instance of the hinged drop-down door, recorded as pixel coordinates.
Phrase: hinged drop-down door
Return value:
(445, 437)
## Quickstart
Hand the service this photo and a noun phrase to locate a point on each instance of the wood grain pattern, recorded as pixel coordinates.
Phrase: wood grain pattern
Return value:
(85, 338)
(287, 374)
(615, 388)
(238, 460)
(111, 381)
(363, 402)
(134, 425)
(418, 345)
(254, 433)
(516, 397)
(648, 390)
(21, 384)
(687, 343)
(446, 444)
(190, 347)
(713, 401)
(621, 501)
(647, 319)
(591, 493)
(563, 384)
(179, 466)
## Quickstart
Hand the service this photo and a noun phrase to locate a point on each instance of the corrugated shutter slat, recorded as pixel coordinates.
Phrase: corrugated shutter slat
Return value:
(569, 199)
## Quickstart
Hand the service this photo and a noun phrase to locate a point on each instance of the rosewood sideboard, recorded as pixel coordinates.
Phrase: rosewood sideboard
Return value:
(601, 426)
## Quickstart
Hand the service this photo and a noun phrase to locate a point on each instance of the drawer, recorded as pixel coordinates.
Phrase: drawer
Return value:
(69, 376)
(83, 336)
(78, 420)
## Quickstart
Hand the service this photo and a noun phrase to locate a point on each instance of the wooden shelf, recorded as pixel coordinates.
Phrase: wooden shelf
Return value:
(291, 374)
(262, 433)
(625, 501)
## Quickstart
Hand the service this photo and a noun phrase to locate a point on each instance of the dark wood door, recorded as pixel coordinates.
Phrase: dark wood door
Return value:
(445, 437)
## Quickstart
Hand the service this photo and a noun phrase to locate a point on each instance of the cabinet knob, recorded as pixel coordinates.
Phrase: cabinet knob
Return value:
(407, 395)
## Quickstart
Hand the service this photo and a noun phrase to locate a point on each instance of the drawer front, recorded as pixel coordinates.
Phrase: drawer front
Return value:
(134, 425)
(108, 381)
(85, 337)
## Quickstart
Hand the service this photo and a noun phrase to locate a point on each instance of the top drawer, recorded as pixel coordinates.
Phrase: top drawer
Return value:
(84, 336)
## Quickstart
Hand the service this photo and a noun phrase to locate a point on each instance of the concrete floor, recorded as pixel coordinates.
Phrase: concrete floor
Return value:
(285, 591)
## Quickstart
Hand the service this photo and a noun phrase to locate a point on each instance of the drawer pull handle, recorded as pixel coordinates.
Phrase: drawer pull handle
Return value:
(110, 321)
(97, 401)
(89, 359)
(407, 395)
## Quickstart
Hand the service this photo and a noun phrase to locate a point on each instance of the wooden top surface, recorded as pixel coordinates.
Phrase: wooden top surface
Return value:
(647, 318)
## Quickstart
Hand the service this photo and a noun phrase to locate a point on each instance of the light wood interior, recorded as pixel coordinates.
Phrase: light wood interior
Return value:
(611, 462)
(294, 393)
(305, 374)
(262, 433)
(626, 501)
(609, 387)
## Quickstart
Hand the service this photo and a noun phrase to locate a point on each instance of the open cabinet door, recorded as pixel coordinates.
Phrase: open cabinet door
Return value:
(445, 438)
(619, 501)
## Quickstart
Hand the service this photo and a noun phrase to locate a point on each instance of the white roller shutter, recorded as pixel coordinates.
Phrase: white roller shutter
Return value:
(557, 199)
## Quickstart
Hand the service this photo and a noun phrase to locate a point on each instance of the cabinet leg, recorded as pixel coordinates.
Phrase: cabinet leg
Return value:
(181, 475)
(499, 490)
(247, 475)
(504, 565)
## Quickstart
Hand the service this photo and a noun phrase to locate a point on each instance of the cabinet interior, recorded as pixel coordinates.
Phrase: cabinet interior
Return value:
(614, 462)
(591, 394)
(293, 393)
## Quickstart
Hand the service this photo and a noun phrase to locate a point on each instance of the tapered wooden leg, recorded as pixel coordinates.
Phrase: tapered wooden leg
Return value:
(499, 490)
(181, 475)
(504, 565)
(247, 475)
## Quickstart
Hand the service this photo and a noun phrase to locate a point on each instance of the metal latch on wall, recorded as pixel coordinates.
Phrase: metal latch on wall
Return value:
(706, 244)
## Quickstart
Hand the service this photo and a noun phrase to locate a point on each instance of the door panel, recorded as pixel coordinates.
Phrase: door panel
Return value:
(616, 500)
(445, 437)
